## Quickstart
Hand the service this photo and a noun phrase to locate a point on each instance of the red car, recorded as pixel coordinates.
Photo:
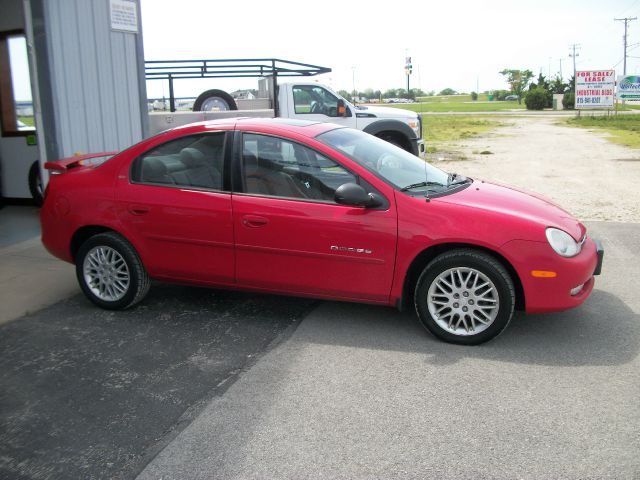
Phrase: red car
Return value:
(314, 209)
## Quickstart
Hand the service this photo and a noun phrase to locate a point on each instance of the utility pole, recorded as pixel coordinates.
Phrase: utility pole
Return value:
(626, 21)
(574, 55)
(560, 68)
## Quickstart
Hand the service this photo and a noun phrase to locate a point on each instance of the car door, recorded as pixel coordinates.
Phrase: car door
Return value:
(290, 234)
(172, 203)
(316, 103)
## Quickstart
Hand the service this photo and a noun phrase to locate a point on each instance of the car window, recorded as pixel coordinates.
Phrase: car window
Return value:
(314, 99)
(281, 168)
(191, 161)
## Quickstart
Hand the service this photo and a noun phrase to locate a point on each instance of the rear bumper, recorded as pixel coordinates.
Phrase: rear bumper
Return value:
(574, 277)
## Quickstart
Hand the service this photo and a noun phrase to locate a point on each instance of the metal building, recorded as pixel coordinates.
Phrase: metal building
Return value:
(84, 61)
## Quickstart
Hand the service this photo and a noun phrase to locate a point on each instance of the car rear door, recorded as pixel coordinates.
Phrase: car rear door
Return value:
(173, 205)
(290, 234)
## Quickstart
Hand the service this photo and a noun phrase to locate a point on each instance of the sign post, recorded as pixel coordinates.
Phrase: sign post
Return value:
(595, 89)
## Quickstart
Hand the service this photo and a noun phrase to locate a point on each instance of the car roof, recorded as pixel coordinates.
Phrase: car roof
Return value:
(265, 125)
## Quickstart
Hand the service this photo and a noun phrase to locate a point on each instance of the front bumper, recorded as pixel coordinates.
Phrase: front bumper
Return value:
(573, 280)
(418, 147)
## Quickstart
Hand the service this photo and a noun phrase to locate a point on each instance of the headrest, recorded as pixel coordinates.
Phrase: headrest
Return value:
(153, 168)
(192, 157)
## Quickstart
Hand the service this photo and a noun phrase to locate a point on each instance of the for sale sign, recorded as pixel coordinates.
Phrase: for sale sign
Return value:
(595, 88)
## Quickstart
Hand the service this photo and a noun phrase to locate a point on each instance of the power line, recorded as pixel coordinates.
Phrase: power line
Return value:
(626, 21)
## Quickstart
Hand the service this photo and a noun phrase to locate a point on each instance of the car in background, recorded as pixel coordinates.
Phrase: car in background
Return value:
(511, 97)
(314, 209)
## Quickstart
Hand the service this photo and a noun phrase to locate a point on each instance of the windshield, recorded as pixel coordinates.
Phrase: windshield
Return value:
(398, 167)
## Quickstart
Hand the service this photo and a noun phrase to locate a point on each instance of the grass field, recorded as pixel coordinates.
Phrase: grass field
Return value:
(457, 103)
(27, 120)
(623, 129)
(442, 131)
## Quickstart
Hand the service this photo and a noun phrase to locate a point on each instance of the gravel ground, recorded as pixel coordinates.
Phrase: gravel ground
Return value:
(577, 168)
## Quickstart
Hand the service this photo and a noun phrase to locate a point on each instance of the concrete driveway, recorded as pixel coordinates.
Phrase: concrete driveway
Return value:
(364, 392)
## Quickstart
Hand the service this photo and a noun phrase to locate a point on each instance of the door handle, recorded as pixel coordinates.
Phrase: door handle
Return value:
(138, 209)
(254, 221)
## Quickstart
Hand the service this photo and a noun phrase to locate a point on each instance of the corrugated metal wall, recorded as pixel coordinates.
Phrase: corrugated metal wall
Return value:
(96, 89)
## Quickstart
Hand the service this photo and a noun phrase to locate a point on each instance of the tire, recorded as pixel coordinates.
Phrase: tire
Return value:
(35, 183)
(396, 140)
(95, 258)
(453, 308)
(218, 98)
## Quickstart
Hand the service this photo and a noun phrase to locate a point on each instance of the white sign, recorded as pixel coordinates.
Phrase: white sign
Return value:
(629, 87)
(124, 16)
(595, 89)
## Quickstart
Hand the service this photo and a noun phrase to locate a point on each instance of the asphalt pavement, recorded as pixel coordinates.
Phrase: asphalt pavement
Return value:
(363, 392)
(198, 383)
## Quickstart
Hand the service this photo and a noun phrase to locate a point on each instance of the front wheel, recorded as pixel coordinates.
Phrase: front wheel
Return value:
(465, 297)
(110, 272)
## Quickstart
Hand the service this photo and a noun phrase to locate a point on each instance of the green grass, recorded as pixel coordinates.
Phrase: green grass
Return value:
(457, 103)
(623, 129)
(440, 131)
(28, 121)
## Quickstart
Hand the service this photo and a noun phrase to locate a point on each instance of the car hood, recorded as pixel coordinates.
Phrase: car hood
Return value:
(385, 112)
(514, 202)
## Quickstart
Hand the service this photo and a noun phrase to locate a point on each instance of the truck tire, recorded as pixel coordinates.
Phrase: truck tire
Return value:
(35, 183)
(214, 100)
(396, 139)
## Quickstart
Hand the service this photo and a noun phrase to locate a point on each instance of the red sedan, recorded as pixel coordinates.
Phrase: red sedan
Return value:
(313, 209)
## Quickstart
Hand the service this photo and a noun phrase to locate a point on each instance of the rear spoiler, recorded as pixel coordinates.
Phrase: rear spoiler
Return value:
(68, 163)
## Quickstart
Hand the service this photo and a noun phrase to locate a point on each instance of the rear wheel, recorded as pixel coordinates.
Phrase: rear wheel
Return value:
(110, 272)
(214, 101)
(465, 297)
(35, 183)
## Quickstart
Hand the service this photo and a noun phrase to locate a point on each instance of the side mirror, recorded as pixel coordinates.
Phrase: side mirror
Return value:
(354, 195)
(342, 109)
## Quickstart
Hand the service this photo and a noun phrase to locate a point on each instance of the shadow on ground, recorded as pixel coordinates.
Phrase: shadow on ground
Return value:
(603, 331)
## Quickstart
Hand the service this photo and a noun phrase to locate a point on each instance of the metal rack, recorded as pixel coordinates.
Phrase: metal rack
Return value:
(172, 70)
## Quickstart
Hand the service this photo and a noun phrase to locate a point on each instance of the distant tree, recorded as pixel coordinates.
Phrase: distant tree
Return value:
(569, 100)
(474, 96)
(391, 93)
(417, 92)
(430, 93)
(518, 80)
(448, 91)
(377, 94)
(368, 94)
(536, 98)
(558, 86)
(346, 95)
(544, 85)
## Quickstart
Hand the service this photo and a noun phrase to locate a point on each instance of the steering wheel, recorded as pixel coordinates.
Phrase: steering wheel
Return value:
(316, 107)
(387, 161)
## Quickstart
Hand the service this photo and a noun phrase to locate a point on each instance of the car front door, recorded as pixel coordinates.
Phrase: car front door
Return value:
(172, 204)
(290, 234)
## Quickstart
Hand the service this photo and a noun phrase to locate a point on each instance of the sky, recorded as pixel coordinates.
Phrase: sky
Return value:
(461, 45)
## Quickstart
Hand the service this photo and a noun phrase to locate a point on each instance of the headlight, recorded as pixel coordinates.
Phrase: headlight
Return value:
(563, 243)
(415, 126)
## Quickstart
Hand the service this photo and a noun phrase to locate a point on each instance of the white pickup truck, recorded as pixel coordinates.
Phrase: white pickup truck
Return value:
(304, 100)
